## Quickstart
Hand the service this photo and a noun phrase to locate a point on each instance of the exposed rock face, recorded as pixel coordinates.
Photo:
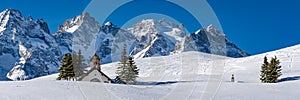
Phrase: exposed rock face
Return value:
(145, 39)
(110, 42)
(78, 33)
(156, 38)
(20, 36)
(206, 40)
(160, 38)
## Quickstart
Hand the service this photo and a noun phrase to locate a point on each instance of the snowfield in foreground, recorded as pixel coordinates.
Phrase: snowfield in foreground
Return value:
(189, 75)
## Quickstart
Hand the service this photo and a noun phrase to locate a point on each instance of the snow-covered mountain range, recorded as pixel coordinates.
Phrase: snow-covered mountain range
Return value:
(28, 50)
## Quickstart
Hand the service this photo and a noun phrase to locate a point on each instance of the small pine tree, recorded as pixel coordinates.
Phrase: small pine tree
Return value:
(270, 72)
(124, 57)
(63, 69)
(264, 66)
(133, 71)
(69, 69)
(78, 64)
(121, 70)
(127, 71)
(275, 70)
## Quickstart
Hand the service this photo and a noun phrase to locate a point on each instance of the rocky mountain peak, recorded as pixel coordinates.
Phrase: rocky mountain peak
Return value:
(8, 17)
(35, 37)
(12, 12)
(152, 28)
(212, 30)
(71, 25)
(108, 24)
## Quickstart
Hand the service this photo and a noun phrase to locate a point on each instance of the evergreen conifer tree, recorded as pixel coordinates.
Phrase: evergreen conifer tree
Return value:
(65, 67)
(127, 71)
(132, 72)
(264, 66)
(78, 64)
(275, 70)
(69, 69)
(121, 70)
(270, 72)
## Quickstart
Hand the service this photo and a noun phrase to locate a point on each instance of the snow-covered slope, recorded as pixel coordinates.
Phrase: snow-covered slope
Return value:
(247, 73)
(20, 35)
(187, 75)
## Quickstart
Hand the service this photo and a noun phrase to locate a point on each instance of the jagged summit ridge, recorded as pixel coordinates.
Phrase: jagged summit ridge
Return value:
(152, 37)
(78, 33)
(71, 25)
(211, 40)
(156, 37)
(34, 36)
(8, 16)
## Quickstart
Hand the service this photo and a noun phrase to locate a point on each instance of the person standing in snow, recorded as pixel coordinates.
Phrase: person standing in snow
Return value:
(232, 78)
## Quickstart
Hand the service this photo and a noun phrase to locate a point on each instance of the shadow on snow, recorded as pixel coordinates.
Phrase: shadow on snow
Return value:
(289, 79)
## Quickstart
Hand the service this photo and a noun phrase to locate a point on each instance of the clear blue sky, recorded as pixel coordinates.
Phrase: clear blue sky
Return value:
(256, 26)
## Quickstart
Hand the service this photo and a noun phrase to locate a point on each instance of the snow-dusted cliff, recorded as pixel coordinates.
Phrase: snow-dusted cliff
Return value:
(19, 37)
